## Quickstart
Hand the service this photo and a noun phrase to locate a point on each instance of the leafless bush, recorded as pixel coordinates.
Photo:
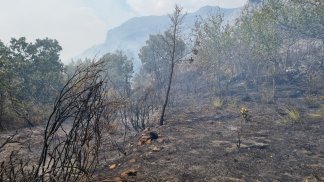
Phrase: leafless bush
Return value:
(16, 169)
(72, 135)
(141, 109)
(10, 139)
(81, 102)
(136, 111)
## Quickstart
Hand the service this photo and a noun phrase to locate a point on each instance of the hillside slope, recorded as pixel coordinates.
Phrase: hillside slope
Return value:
(131, 35)
(199, 143)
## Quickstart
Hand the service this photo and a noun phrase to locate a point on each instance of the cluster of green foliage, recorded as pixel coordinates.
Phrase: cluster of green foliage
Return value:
(272, 42)
(119, 70)
(269, 38)
(31, 74)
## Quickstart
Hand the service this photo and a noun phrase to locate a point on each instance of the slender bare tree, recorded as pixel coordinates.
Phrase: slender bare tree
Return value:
(172, 41)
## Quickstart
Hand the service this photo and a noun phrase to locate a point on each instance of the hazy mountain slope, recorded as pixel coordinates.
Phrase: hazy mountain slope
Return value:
(131, 35)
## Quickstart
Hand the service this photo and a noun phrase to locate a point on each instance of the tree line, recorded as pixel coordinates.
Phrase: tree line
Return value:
(272, 42)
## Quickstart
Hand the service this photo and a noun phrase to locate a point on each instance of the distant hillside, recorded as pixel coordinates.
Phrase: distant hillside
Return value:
(131, 35)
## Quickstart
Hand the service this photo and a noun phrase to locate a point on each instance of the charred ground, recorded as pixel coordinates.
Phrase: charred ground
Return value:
(199, 143)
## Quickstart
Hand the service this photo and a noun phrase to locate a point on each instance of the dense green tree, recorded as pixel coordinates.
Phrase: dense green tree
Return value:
(119, 70)
(151, 56)
(155, 56)
(213, 49)
(257, 33)
(37, 69)
(304, 18)
(30, 74)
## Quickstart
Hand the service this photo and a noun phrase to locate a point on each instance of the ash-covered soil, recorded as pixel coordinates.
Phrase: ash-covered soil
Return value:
(200, 144)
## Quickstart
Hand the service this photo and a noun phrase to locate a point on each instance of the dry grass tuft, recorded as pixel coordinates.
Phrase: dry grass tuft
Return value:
(218, 103)
(293, 114)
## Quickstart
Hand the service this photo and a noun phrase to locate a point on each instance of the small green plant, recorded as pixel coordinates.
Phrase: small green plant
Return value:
(244, 112)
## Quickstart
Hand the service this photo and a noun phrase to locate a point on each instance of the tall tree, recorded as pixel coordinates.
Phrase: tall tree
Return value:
(160, 55)
(171, 39)
(212, 51)
(259, 27)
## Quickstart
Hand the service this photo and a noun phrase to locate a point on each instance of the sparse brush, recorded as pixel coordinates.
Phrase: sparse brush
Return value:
(218, 103)
(322, 97)
(267, 96)
(232, 104)
(319, 114)
(311, 101)
(111, 128)
(314, 82)
(321, 111)
(293, 114)
(218, 92)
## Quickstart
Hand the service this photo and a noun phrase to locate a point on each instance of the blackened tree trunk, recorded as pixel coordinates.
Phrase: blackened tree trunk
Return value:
(176, 20)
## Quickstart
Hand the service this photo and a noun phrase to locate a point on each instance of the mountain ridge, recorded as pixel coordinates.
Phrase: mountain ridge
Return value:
(131, 35)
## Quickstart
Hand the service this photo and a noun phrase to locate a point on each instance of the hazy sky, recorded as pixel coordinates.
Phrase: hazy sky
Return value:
(80, 24)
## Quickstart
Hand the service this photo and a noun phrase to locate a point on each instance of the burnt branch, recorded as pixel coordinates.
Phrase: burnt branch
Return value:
(10, 139)
(72, 135)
